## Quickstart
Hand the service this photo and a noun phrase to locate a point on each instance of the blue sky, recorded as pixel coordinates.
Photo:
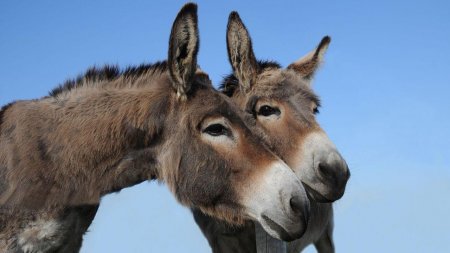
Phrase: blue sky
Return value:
(385, 90)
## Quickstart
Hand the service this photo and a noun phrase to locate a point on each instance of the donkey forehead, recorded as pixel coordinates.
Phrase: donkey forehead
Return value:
(211, 103)
(282, 84)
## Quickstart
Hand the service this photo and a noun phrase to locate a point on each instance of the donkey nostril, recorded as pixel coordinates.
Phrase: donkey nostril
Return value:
(296, 204)
(326, 170)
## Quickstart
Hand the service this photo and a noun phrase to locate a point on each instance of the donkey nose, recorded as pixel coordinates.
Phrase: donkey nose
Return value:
(298, 206)
(335, 172)
(327, 171)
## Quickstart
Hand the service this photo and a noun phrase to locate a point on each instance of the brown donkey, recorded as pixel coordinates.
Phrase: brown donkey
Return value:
(112, 129)
(284, 106)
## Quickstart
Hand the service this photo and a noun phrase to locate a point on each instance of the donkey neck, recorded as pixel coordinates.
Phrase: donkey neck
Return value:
(101, 139)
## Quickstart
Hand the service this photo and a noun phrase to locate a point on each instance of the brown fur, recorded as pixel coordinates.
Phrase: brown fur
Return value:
(112, 129)
(289, 91)
(308, 65)
(293, 96)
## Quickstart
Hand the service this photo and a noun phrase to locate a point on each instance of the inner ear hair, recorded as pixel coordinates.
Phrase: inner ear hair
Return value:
(308, 65)
(183, 49)
(240, 52)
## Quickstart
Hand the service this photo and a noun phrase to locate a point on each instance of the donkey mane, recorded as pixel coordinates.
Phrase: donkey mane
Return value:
(107, 73)
(2, 111)
(230, 83)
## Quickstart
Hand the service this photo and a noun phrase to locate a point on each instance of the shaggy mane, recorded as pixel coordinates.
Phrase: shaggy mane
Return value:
(2, 111)
(230, 82)
(108, 73)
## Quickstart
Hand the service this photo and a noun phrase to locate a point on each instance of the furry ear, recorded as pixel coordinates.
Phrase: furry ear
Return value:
(308, 65)
(183, 49)
(240, 52)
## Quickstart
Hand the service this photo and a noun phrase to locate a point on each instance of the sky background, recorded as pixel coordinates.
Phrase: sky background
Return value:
(385, 90)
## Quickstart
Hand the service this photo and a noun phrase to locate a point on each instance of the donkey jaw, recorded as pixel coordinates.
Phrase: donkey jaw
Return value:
(279, 203)
(279, 232)
(315, 195)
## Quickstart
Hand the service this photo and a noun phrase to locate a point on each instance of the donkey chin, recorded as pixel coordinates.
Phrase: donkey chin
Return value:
(279, 203)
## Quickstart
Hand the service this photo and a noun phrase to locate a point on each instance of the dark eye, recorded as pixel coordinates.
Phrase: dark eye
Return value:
(216, 130)
(266, 111)
(316, 110)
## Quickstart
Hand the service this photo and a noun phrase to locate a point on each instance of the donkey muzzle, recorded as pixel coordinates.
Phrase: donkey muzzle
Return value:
(280, 203)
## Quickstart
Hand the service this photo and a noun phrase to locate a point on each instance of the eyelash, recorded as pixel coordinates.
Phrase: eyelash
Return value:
(268, 110)
(216, 130)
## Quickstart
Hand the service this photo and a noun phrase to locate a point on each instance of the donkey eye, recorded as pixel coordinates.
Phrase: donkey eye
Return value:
(266, 111)
(316, 110)
(216, 130)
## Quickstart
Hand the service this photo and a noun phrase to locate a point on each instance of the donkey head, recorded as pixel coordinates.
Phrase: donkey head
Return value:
(284, 105)
(212, 160)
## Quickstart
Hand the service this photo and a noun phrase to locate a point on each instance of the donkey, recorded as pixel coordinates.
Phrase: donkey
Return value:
(284, 106)
(112, 129)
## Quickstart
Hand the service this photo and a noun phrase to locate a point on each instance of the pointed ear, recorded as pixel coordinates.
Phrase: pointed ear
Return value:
(308, 65)
(240, 52)
(183, 49)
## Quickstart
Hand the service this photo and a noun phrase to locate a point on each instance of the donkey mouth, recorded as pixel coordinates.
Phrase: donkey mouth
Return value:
(315, 195)
(282, 233)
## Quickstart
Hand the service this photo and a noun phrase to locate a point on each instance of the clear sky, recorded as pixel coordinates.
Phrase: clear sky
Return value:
(385, 90)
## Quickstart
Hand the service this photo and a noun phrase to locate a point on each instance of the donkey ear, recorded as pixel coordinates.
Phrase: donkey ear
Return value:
(183, 49)
(240, 51)
(308, 65)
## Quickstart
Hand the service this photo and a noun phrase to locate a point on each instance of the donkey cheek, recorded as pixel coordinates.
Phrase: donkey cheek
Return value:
(204, 185)
(208, 194)
(3, 184)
